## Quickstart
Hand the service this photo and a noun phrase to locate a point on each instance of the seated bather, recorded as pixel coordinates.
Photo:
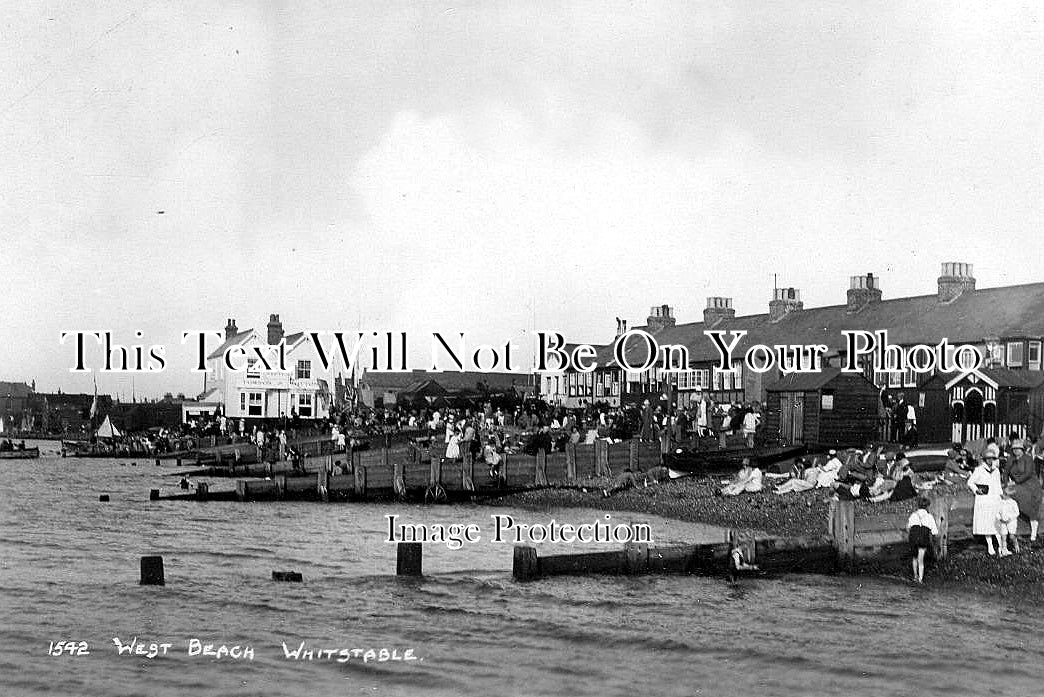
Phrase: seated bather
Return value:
(748, 479)
(828, 476)
(804, 477)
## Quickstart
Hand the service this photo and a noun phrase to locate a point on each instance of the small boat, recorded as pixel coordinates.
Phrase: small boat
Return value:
(23, 454)
(727, 461)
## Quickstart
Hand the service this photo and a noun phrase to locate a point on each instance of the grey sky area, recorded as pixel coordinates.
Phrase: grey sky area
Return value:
(494, 167)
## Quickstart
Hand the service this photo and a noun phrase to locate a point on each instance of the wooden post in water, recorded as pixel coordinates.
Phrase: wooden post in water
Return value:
(540, 477)
(467, 470)
(940, 510)
(435, 473)
(154, 494)
(322, 484)
(601, 455)
(408, 559)
(844, 533)
(525, 565)
(360, 481)
(636, 558)
(152, 571)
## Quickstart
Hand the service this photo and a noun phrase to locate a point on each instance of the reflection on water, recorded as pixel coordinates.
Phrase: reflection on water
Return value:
(69, 571)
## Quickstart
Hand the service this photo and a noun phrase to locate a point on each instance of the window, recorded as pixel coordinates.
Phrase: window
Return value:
(304, 370)
(909, 378)
(252, 370)
(1034, 355)
(242, 402)
(256, 404)
(827, 403)
(304, 405)
(1015, 349)
(958, 413)
(702, 379)
(895, 379)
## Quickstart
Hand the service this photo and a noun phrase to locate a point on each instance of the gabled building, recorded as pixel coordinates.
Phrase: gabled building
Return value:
(302, 390)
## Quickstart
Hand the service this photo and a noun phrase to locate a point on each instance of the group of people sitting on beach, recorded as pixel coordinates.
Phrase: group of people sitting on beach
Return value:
(856, 474)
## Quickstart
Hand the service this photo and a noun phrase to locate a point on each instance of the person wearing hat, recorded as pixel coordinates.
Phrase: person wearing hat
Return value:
(985, 483)
(1023, 474)
(1008, 521)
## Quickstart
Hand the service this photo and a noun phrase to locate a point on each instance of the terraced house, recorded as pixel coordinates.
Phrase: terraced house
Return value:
(1006, 324)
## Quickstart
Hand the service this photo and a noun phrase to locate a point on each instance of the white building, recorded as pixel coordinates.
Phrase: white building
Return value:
(302, 390)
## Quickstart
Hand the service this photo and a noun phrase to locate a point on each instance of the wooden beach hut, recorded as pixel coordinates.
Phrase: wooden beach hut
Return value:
(827, 408)
(979, 404)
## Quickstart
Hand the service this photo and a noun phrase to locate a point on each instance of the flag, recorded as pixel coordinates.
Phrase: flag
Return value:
(94, 404)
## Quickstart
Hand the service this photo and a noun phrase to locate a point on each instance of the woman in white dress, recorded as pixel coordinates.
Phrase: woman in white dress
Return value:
(985, 483)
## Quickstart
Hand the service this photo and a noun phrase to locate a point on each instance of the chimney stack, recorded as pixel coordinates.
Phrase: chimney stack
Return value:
(621, 326)
(718, 309)
(660, 316)
(955, 280)
(784, 301)
(275, 330)
(230, 329)
(862, 291)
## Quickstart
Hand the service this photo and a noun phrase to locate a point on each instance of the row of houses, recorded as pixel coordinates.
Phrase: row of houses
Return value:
(1005, 324)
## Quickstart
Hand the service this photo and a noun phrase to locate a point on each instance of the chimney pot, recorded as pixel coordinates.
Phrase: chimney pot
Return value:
(275, 330)
(862, 291)
(718, 308)
(230, 329)
(784, 301)
(955, 280)
(660, 316)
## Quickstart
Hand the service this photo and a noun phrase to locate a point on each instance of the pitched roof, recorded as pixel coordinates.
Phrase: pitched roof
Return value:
(451, 380)
(15, 390)
(1009, 311)
(237, 338)
(810, 382)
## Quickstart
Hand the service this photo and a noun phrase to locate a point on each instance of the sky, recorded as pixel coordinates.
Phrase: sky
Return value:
(496, 167)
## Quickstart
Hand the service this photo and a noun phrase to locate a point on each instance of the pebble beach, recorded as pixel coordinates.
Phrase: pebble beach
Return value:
(797, 514)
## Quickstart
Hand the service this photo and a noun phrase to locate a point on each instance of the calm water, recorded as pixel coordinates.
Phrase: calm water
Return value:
(69, 571)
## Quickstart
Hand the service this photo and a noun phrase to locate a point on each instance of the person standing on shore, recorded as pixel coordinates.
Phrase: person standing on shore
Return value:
(985, 483)
(921, 527)
(1027, 494)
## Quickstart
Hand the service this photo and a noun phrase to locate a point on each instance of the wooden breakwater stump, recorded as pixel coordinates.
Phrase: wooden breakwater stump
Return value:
(408, 559)
(940, 510)
(152, 571)
(103, 497)
(525, 565)
(154, 494)
(288, 576)
(843, 531)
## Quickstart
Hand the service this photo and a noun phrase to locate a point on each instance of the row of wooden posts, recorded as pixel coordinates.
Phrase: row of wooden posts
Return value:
(387, 471)
(841, 549)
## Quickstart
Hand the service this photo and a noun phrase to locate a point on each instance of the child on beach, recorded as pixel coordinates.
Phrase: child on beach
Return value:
(922, 527)
(1008, 521)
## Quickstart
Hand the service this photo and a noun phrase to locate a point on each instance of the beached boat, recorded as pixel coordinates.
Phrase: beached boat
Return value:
(26, 454)
(728, 460)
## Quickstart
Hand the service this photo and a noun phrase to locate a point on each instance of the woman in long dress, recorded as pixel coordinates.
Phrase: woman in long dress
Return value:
(985, 483)
(1027, 487)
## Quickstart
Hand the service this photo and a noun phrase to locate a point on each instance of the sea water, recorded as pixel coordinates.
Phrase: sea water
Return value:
(70, 601)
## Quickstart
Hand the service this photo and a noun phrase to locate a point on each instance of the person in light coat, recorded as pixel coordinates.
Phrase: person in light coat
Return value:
(985, 483)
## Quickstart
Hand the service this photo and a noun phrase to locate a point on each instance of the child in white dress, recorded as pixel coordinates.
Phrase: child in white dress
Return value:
(1008, 521)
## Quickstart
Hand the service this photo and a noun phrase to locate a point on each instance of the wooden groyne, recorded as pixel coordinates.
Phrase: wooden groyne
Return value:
(852, 544)
(412, 472)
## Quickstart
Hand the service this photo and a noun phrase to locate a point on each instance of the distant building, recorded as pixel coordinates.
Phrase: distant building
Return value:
(386, 389)
(15, 402)
(257, 392)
